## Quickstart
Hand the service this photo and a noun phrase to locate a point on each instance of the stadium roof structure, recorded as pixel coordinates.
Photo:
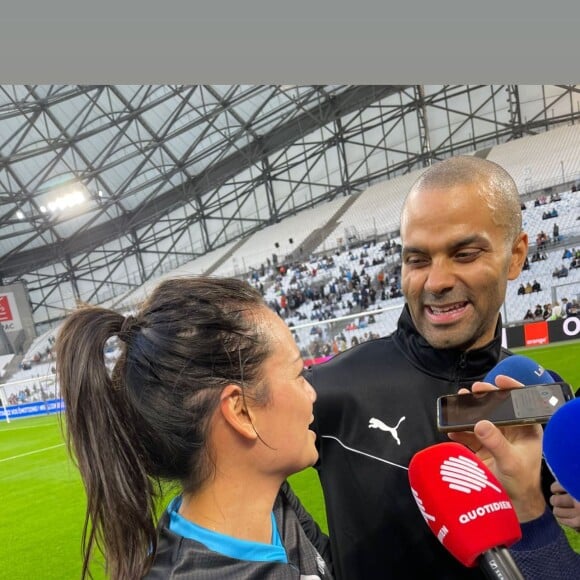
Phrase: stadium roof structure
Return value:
(100, 184)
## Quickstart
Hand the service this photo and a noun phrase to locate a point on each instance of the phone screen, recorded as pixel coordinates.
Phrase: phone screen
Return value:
(537, 401)
(530, 404)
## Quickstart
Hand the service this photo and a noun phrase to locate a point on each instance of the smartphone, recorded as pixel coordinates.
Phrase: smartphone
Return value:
(531, 404)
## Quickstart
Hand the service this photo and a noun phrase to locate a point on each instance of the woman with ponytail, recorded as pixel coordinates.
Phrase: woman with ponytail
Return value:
(208, 393)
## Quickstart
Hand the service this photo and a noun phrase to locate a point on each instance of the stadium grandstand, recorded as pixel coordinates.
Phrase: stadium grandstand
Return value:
(108, 189)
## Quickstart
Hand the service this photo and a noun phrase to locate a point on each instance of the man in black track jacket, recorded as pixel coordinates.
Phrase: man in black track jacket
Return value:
(462, 239)
(375, 410)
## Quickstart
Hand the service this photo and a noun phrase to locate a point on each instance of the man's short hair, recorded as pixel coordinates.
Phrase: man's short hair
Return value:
(498, 190)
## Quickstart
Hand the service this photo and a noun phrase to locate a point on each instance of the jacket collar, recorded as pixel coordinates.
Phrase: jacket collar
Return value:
(448, 364)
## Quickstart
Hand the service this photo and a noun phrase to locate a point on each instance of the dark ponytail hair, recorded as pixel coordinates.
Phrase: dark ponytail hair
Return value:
(148, 420)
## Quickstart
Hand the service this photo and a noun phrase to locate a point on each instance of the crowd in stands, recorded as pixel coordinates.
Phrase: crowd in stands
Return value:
(574, 255)
(542, 239)
(537, 256)
(529, 287)
(569, 254)
(554, 311)
(570, 260)
(550, 214)
(347, 282)
(40, 356)
(321, 348)
(41, 391)
(544, 200)
(561, 272)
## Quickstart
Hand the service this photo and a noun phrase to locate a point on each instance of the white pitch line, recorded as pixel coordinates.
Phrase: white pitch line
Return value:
(10, 429)
(31, 453)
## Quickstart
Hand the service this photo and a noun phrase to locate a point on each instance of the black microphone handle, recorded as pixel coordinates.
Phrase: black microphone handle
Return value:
(498, 564)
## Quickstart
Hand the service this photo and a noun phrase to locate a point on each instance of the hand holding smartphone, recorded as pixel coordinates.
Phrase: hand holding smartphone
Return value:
(520, 406)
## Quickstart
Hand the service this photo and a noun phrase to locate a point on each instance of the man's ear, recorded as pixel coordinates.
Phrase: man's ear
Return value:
(518, 255)
(233, 408)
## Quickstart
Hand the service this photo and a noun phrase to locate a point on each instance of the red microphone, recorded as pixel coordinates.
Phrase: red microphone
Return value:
(466, 508)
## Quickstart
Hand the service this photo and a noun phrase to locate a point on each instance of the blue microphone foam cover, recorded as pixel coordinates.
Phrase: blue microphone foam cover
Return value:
(562, 446)
(523, 369)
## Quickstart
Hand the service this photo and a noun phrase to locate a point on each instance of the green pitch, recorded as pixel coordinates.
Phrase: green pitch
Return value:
(42, 502)
(43, 499)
